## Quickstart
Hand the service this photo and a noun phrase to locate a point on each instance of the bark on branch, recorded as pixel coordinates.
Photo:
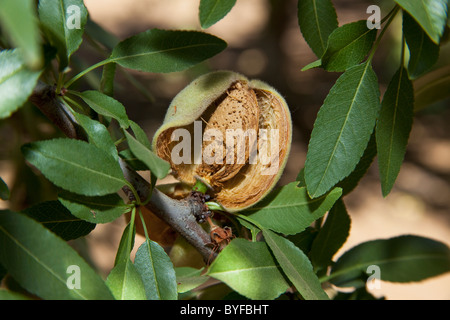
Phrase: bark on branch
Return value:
(179, 214)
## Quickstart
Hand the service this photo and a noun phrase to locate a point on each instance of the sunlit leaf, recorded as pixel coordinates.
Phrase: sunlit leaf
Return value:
(125, 282)
(39, 261)
(63, 23)
(126, 244)
(296, 266)
(189, 278)
(98, 134)
(16, 82)
(430, 14)
(105, 105)
(18, 19)
(159, 167)
(157, 272)
(247, 267)
(290, 210)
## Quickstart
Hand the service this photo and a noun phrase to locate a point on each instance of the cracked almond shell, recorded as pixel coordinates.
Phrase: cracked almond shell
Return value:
(225, 100)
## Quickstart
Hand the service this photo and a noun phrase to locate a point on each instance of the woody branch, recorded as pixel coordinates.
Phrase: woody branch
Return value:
(179, 214)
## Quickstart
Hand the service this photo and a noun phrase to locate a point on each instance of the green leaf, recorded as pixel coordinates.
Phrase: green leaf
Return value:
(16, 82)
(431, 88)
(105, 105)
(132, 160)
(358, 294)
(430, 14)
(11, 295)
(125, 282)
(351, 181)
(249, 268)
(3, 272)
(4, 190)
(166, 51)
(332, 235)
(400, 259)
(317, 19)
(55, 217)
(39, 260)
(393, 128)
(423, 51)
(159, 167)
(296, 266)
(76, 166)
(342, 129)
(254, 230)
(312, 65)
(211, 11)
(157, 272)
(96, 32)
(189, 278)
(19, 21)
(126, 243)
(140, 135)
(107, 81)
(290, 210)
(97, 134)
(101, 209)
(63, 23)
(348, 45)
(304, 239)
(301, 178)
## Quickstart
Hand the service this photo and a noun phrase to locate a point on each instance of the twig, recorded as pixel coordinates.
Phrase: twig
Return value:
(45, 98)
(179, 214)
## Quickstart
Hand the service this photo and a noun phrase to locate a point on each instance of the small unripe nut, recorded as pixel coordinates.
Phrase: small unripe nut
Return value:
(246, 134)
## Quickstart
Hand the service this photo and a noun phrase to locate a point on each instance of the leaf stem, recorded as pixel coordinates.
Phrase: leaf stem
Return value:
(120, 141)
(253, 222)
(82, 73)
(130, 237)
(394, 9)
(63, 101)
(200, 187)
(391, 16)
(326, 278)
(214, 206)
(402, 59)
(135, 194)
(73, 102)
(60, 82)
(143, 224)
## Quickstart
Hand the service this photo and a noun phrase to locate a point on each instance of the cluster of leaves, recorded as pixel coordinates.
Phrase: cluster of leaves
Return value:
(87, 173)
(290, 253)
(342, 147)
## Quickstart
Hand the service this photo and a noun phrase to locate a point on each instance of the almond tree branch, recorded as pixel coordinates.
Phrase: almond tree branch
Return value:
(179, 214)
